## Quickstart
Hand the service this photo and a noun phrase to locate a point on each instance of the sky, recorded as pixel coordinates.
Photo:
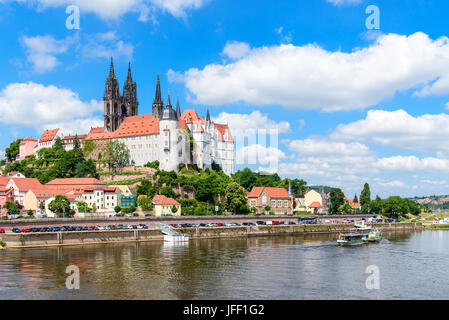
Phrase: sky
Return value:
(345, 103)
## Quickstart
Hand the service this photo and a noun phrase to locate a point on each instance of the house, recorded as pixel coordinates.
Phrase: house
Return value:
(21, 186)
(77, 184)
(27, 147)
(354, 205)
(102, 197)
(37, 197)
(5, 195)
(128, 198)
(48, 139)
(278, 199)
(69, 141)
(163, 206)
(313, 201)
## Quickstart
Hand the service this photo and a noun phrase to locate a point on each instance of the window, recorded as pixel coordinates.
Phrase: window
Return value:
(273, 203)
(286, 203)
(279, 203)
(253, 203)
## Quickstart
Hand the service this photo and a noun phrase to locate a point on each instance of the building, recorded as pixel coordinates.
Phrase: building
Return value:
(48, 139)
(76, 184)
(117, 107)
(5, 195)
(278, 199)
(21, 186)
(313, 202)
(69, 141)
(27, 147)
(354, 205)
(163, 206)
(127, 197)
(163, 135)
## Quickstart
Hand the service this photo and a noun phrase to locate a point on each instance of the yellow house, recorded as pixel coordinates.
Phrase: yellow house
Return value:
(163, 206)
(313, 202)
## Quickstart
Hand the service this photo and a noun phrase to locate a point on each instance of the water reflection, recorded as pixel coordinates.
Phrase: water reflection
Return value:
(412, 265)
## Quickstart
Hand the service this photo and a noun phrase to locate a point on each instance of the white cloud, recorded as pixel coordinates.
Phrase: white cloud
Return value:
(243, 124)
(344, 2)
(426, 133)
(258, 154)
(41, 51)
(394, 184)
(2, 154)
(45, 107)
(115, 9)
(309, 77)
(413, 163)
(106, 45)
(236, 50)
(327, 148)
(434, 182)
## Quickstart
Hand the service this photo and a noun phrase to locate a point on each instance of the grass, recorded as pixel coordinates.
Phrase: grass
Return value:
(124, 182)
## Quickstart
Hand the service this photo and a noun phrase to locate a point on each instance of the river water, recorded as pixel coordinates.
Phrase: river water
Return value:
(411, 265)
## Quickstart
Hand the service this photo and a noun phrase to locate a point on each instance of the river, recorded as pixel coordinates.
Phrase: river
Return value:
(411, 265)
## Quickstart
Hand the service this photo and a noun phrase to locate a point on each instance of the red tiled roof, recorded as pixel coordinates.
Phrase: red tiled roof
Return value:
(221, 128)
(98, 134)
(182, 124)
(163, 200)
(190, 116)
(48, 135)
(315, 204)
(81, 137)
(29, 139)
(138, 126)
(25, 184)
(255, 192)
(75, 181)
(272, 192)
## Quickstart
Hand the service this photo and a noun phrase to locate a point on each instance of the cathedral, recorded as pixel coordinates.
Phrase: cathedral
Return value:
(165, 134)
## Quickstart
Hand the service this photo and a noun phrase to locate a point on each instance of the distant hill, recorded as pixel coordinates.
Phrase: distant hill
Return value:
(434, 202)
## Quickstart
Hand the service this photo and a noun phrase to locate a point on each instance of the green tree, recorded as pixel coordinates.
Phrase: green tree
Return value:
(58, 145)
(89, 146)
(337, 200)
(76, 142)
(365, 199)
(154, 165)
(13, 150)
(116, 155)
(145, 203)
(235, 199)
(146, 188)
(11, 207)
(345, 208)
(267, 208)
(117, 209)
(174, 209)
(82, 206)
(94, 208)
(30, 213)
(168, 192)
(60, 204)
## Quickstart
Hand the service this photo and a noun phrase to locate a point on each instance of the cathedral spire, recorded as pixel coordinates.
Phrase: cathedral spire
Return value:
(208, 116)
(169, 101)
(158, 97)
(111, 70)
(178, 108)
(129, 79)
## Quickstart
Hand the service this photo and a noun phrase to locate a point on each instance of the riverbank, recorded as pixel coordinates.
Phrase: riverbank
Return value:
(45, 239)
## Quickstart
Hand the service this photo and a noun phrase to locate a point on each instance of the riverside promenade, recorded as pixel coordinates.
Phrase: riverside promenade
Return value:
(49, 239)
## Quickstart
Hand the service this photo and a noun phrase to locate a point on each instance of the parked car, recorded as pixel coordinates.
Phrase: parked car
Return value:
(291, 222)
(248, 224)
(275, 222)
(25, 230)
(261, 223)
(135, 214)
(16, 230)
(2, 230)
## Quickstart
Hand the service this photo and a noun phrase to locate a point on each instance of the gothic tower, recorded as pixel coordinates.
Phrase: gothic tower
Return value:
(158, 104)
(116, 107)
(130, 103)
(111, 101)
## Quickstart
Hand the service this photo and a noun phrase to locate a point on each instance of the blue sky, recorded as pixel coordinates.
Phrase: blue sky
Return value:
(350, 104)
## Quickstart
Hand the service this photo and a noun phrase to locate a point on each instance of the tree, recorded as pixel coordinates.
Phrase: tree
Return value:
(146, 188)
(235, 198)
(267, 208)
(82, 206)
(168, 192)
(337, 199)
(76, 142)
(117, 209)
(12, 208)
(116, 155)
(154, 165)
(13, 150)
(365, 199)
(60, 204)
(58, 145)
(215, 166)
(174, 209)
(376, 205)
(145, 203)
(30, 213)
(94, 208)
(346, 208)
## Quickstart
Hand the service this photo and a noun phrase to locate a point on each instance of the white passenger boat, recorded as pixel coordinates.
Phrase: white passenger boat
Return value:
(362, 234)
(174, 236)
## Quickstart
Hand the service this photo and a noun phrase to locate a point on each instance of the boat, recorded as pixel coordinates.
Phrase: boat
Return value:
(350, 239)
(174, 236)
(362, 234)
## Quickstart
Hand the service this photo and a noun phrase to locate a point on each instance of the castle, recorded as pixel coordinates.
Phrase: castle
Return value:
(165, 135)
